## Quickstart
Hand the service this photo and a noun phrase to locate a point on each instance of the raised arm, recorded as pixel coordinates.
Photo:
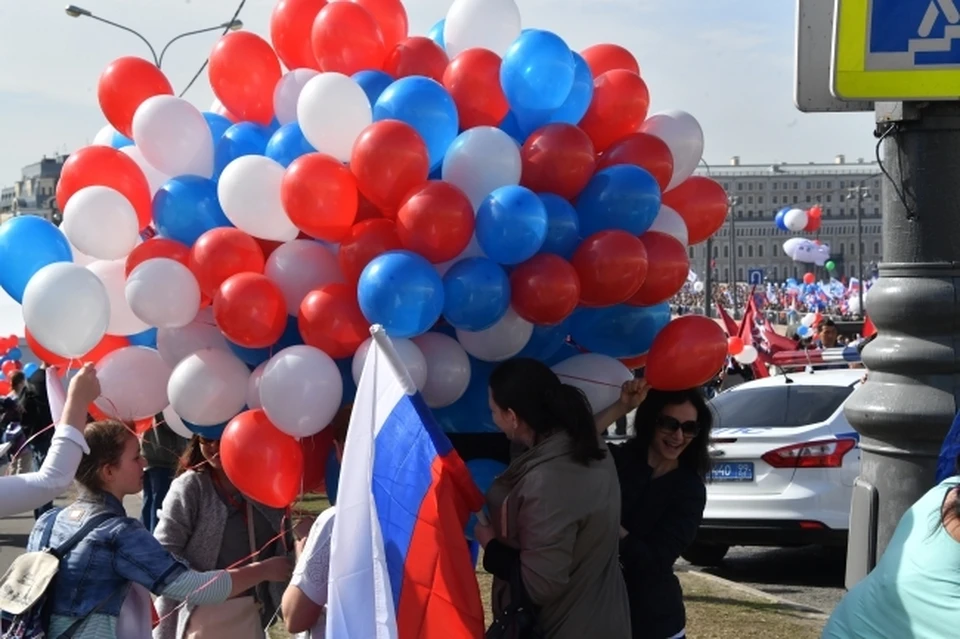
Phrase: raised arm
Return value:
(632, 394)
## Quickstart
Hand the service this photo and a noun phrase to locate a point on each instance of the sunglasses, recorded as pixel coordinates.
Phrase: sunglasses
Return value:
(672, 425)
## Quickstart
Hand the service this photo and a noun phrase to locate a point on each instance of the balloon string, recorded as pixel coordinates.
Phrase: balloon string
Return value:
(587, 379)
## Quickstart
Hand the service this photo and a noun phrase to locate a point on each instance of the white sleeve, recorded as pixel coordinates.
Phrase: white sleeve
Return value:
(20, 493)
(313, 566)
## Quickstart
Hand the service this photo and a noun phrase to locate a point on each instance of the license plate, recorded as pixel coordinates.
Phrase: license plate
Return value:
(732, 471)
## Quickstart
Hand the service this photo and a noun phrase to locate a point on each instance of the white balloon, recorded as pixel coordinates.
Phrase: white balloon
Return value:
(175, 344)
(66, 308)
(670, 223)
(795, 220)
(123, 321)
(208, 387)
(287, 94)
(253, 386)
(101, 222)
(501, 341)
(411, 356)
(163, 293)
(482, 160)
(173, 421)
(748, 355)
(333, 110)
(808, 320)
(300, 266)
(301, 390)
(155, 177)
(249, 193)
(791, 246)
(133, 383)
(173, 136)
(104, 136)
(698, 287)
(605, 375)
(448, 369)
(217, 107)
(80, 258)
(683, 136)
(484, 24)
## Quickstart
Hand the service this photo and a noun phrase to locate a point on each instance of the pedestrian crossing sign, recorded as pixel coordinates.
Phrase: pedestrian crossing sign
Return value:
(896, 50)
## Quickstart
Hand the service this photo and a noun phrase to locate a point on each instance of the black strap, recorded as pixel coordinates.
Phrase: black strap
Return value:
(61, 551)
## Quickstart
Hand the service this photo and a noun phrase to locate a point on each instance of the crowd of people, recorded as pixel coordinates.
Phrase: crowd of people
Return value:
(776, 301)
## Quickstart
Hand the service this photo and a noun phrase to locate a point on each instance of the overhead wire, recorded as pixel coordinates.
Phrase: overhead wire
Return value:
(203, 67)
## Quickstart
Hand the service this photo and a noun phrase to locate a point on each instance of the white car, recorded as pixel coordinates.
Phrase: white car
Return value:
(784, 463)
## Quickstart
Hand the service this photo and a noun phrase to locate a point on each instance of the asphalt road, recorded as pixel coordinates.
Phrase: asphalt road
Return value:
(811, 576)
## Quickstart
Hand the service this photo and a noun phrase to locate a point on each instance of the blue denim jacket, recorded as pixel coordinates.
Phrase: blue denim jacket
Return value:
(99, 569)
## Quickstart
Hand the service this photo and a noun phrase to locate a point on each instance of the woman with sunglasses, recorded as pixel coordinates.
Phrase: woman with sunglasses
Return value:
(662, 472)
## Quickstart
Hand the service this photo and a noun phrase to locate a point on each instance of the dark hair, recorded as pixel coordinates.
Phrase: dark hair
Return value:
(827, 323)
(534, 392)
(192, 457)
(17, 378)
(106, 440)
(696, 456)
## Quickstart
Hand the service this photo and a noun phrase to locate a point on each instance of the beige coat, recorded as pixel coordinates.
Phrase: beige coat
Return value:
(564, 518)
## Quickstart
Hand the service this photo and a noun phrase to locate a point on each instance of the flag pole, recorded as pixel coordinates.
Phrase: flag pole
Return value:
(379, 335)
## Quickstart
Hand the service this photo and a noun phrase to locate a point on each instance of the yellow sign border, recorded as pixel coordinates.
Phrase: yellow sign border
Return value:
(850, 79)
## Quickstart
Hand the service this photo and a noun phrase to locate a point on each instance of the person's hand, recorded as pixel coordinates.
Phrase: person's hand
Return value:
(277, 569)
(299, 546)
(302, 529)
(84, 387)
(483, 534)
(633, 392)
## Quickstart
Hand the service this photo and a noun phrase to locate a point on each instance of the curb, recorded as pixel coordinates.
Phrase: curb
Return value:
(807, 611)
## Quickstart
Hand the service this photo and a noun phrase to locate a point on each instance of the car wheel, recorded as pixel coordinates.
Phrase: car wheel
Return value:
(705, 555)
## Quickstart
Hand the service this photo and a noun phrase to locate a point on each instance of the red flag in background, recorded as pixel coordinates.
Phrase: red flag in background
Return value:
(750, 334)
(729, 324)
(869, 330)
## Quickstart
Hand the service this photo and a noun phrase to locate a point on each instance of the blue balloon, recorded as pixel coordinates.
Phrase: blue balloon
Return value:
(345, 366)
(244, 138)
(288, 144)
(780, 219)
(331, 476)
(511, 126)
(27, 244)
(436, 33)
(575, 106)
(217, 124)
(256, 356)
(274, 126)
(14, 354)
(402, 292)
(511, 224)
(546, 341)
(426, 106)
(623, 197)
(563, 226)
(214, 431)
(476, 294)
(30, 369)
(619, 331)
(566, 351)
(147, 338)
(186, 207)
(119, 140)
(537, 72)
(373, 83)
(471, 413)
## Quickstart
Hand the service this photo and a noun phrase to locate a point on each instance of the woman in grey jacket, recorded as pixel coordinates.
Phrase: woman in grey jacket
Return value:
(207, 522)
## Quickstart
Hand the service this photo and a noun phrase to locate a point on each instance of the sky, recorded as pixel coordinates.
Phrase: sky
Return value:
(728, 62)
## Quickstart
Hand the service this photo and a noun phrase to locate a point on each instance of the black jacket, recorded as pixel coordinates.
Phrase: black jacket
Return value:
(662, 516)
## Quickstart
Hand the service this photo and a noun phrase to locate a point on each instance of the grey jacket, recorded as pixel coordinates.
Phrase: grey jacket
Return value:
(192, 522)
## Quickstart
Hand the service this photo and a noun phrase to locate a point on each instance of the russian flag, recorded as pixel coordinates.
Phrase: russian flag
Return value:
(400, 565)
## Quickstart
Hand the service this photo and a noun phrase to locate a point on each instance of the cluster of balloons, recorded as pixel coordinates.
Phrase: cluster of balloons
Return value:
(482, 193)
(799, 220)
(744, 353)
(10, 363)
(807, 251)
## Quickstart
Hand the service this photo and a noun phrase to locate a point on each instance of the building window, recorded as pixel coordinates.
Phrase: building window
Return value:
(726, 251)
(749, 186)
(759, 199)
(829, 185)
(829, 198)
(876, 248)
(739, 273)
(829, 211)
(774, 273)
(749, 199)
(851, 248)
(739, 186)
(843, 184)
(819, 185)
(796, 186)
(726, 275)
(760, 250)
(750, 250)
(776, 186)
(809, 185)
(774, 199)
(750, 214)
(876, 210)
(776, 250)
(808, 199)
(740, 250)
(716, 251)
(819, 198)
(795, 199)
(853, 211)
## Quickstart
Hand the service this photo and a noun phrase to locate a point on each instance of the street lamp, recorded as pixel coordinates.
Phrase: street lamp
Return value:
(77, 12)
(734, 201)
(860, 193)
(708, 268)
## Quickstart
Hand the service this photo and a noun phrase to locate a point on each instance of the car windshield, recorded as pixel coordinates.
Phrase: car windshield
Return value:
(784, 406)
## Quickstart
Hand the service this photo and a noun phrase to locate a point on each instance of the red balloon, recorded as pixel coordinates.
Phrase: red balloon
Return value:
(416, 56)
(612, 266)
(390, 16)
(365, 241)
(157, 247)
(290, 25)
(5, 389)
(473, 80)
(634, 363)
(138, 426)
(262, 461)
(667, 272)
(643, 150)
(619, 105)
(687, 353)
(221, 253)
(107, 345)
(702, 203)
(389, 160)
(106, 166)
(436, 221)
(330, 319)
(319, 195)
(558, 158)
(8, 368)
(607, 57)
(250, 310)
(316, 451)
(346, 39)
(244, 71)
(124, 85)
(367, 211)
(809, 278)
(734, 345)
(545, 289)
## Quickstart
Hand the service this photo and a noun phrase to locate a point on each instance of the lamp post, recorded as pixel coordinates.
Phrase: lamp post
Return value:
(860, 193)
(708, 269)
(734, 201)
(79, 12)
